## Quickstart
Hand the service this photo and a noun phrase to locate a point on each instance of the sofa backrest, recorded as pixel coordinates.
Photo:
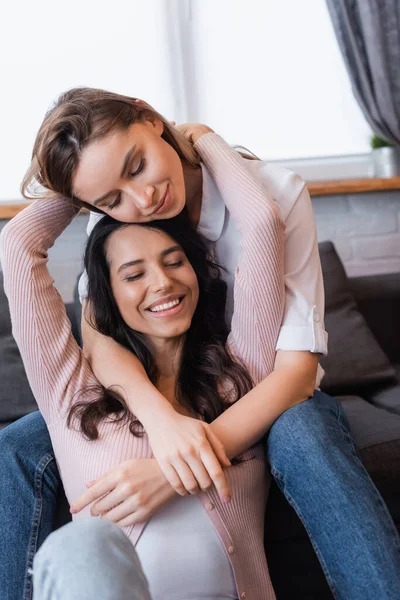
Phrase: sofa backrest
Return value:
(378, 298)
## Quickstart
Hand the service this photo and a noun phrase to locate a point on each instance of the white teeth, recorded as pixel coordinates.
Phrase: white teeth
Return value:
(165, 306)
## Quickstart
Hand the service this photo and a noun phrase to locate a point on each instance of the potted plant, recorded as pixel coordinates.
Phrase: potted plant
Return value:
(386, 157)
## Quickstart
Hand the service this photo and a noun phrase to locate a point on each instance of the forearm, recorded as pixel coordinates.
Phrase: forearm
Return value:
(246, 421)
(116, 366)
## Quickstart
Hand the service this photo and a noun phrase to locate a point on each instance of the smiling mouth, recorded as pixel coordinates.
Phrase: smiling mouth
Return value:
(167, 308)
(164, 201)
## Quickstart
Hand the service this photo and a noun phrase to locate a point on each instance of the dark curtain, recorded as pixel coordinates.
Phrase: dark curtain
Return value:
(368, 33)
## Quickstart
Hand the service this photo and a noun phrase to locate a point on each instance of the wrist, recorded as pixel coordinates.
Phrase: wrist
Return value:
(155, 411)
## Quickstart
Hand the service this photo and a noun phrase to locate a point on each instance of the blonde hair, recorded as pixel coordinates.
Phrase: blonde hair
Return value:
(80, 116)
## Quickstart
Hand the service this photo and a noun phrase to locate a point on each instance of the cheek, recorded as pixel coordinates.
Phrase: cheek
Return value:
(193, 283)
(127, 299)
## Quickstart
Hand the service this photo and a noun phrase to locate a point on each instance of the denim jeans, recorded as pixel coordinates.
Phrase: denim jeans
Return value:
(104, 567)
(312, 457)
(315, 464)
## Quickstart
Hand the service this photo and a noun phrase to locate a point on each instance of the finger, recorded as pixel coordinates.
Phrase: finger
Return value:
(217, 475)
(108, 502)
(133, 519)
(187, 477)
(200, 472)
(173, 123)
(94, 493)
(218, 448)
(122, 511)
(90, 483)
(173, 479)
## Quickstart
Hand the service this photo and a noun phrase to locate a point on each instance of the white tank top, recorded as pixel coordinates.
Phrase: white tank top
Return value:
(182, 555)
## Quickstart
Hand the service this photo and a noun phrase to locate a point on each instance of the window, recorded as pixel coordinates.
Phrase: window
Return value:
(266, 74)
(270, 76)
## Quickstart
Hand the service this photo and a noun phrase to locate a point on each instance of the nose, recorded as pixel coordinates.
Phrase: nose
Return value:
(142, 197)
(161, 282)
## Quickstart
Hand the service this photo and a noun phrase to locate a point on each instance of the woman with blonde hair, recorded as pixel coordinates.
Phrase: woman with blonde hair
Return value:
(118, 156)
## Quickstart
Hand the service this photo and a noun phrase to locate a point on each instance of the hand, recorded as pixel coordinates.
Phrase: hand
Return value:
(128, 494)
(192, 131)
(189, 454)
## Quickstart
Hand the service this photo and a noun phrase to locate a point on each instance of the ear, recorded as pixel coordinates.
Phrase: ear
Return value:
(156, 125)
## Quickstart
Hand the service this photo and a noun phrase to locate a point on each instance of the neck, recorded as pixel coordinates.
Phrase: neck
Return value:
(194, 190)
(167, 355)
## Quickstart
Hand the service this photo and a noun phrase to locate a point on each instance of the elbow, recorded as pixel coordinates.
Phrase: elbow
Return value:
(310, 380)
(309, 388)
(12, 248)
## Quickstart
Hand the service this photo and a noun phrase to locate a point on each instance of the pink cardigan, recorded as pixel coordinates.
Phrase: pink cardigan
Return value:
(57, 369)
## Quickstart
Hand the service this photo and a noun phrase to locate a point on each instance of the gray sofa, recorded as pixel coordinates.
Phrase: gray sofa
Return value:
(362, 371)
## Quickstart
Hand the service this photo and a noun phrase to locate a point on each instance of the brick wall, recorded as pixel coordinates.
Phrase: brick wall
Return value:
(365, 229)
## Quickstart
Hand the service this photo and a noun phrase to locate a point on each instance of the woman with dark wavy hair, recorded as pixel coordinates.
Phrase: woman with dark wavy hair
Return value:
(155, 289)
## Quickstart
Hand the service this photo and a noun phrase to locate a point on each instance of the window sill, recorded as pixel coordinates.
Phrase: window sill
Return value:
(352, 186)
(316, 188)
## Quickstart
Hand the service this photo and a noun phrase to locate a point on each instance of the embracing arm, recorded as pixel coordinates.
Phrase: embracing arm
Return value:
(51, 356)
(282, 378)
(188, 452)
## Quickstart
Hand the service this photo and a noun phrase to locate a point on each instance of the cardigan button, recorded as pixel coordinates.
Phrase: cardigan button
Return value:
(231, 549)
(209, 506)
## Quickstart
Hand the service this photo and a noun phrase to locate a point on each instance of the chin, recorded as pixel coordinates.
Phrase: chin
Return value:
(176, 330)
(177, 208)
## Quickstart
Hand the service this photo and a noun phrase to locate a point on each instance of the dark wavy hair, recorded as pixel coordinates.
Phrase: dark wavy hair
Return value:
(206, 363)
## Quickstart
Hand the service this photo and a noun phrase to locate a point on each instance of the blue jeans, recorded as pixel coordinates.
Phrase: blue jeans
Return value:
(104, 567)
(312, 457)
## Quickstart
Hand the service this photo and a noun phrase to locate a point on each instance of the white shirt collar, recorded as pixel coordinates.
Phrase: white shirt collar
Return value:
(212, 216)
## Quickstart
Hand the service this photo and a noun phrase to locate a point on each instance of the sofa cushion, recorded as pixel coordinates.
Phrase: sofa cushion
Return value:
(387, 398)
(16, 398)
(369, 424)
(355, 360)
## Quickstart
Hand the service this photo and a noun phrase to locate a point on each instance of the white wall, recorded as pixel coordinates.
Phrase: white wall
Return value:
(47, 47)
(264, 73)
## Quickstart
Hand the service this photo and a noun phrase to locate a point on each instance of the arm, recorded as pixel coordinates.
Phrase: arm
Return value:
(186, 449)
(41, 328)
(282, 379)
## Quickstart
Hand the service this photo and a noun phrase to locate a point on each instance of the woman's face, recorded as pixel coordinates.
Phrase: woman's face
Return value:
(133, 175)
(154, 285)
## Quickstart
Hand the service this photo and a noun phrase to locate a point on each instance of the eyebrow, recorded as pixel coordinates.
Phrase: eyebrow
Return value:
(124, 166)
(132, 263)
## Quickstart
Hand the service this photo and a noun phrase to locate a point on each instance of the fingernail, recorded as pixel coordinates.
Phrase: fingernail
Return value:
(226, 499)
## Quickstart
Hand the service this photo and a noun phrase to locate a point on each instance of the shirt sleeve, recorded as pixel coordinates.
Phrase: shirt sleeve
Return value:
(258, 284)
(303, 321)
(94, 218)
(55, 366)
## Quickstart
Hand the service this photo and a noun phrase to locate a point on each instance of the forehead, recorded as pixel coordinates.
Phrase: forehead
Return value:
(101, 161)
(135, 242)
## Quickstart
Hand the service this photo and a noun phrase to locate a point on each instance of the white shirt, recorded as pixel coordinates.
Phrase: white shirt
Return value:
(303, 321)
(182, 555)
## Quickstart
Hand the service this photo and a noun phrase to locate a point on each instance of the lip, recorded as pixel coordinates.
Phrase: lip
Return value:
(164, 300)
(165, 203)
(170, 311)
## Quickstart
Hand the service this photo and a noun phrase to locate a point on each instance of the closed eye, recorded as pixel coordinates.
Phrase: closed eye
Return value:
(175, 264)
(140, 168)
(115, 203)
(118, 198)
(134, 277)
